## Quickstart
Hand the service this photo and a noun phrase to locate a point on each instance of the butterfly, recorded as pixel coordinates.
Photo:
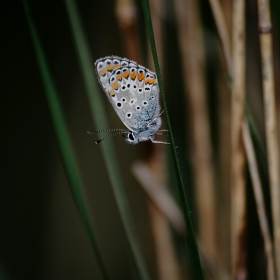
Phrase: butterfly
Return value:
(133, 92)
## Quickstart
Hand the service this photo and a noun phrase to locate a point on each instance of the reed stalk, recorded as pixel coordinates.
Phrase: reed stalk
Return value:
(238, 222)
(265, 29)
(257, 190)
(193, 60)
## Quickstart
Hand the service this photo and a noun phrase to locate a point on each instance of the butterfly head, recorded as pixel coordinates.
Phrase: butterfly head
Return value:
(146, 133)
(130, 138)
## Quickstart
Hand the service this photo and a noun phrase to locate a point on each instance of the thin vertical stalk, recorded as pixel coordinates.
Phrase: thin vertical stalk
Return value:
(270, 121)
(238, 222)
(223, 33)
(163, 210)
(127, 20)
(167, 263)
(192, 245)
(222, 13)
(193, 59)
(256, 182)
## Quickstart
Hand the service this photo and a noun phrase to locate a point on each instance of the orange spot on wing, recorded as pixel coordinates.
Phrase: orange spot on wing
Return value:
(117, 66)
(109, 67)
(125, 74)
(112, 93)
(119, 76)
(114, 85)
(102, 72)
(155, 81)
(141, 76)
(133, 75)
(149, 81)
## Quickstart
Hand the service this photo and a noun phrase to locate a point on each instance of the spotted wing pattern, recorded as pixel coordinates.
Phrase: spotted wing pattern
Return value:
(131, 88)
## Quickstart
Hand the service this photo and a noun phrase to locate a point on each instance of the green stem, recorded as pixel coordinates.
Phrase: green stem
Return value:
(191, 241)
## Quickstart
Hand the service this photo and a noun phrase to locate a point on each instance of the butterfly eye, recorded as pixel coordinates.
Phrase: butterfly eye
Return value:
(132, 101)
(131, 137)
(140, 90)
(138, 108)
(119, 104)
(135, 86)
(123, 87)
(128, 115)
(145, 103)
(128, 85)
(123, 100)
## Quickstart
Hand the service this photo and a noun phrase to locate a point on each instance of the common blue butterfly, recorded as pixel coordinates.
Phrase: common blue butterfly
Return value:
(134, 94)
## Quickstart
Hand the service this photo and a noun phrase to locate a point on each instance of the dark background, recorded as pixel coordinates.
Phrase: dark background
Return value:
(41, 236)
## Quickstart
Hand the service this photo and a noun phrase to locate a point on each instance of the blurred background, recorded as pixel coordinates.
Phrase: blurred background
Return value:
(41, 234)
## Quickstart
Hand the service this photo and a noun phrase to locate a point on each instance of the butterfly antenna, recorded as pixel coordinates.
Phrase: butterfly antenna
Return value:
(118, 133)
(105, 130)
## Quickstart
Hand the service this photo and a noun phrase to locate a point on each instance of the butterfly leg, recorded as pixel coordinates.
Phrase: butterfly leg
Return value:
(158, 142)
(162, 131)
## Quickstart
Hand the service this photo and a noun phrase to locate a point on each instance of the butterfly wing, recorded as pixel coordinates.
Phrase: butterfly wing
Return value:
(131, 88)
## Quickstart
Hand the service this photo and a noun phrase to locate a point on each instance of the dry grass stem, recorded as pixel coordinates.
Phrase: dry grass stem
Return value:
(223, 33)
(213, 269)
(224, 171)
(270, 122)
(256, 182)
(222, 13)
(159, 195)
(126, 17)
(238, 222)
(157, 15)
(162, 209)
(193, 60)
(166, 258)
